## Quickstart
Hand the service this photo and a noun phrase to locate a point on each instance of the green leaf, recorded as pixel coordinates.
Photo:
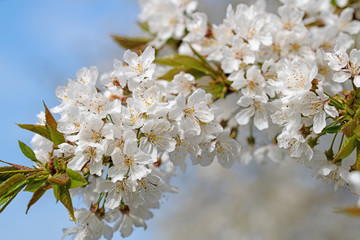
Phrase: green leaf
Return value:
(357, 132)
(28, 152)
(169, 76)
(38, 129)
(62, 194)
(56, 192)
(332, 129)
(56, 162)
(6, 201)
(144, 26)
(131, 42)
(59, 179)
(76, 179)
(202, 59)
(11, 183)
(37, 195)
(187, 62)
(347, 148)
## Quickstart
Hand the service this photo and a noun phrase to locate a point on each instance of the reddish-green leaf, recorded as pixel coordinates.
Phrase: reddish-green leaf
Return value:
(38, 129)
(55, 136)
(34, 184)
(62, 194)
(59, 179)
(50, 120)
(10, 188)
(348, 128)
(19, 167)
(11, 183)
(137, 43)
(37, 195)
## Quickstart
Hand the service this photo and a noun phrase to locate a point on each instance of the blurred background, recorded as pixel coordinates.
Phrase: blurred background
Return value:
(43, 43)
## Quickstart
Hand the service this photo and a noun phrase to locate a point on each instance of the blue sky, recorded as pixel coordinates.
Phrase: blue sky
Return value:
(42, 43)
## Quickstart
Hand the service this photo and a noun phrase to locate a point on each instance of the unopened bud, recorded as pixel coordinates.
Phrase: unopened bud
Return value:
(157, 163)
(85, 170)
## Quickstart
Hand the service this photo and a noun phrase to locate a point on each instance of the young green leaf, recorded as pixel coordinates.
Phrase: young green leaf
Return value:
(347, 148)
(76, 179)
(6, 201)
(28, 152)
(6, 172)
(332, 129)
(11, 183)
(144, 26)
(56, 191)
(357, 132)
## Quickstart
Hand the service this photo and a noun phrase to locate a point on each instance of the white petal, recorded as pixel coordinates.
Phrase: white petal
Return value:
(326, 170)
(113, 200)
(244, 115)
(341, 77)
(126, 228)
(357, 81)
(260, 120)
(77, 163)
(331, 110)
(319, 122)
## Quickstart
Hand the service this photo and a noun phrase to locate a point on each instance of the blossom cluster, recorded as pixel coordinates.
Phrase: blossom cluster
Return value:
(129, 134)
(272, 82)
(284, 73)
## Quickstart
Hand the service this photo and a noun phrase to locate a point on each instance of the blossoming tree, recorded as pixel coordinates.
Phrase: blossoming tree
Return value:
(182, 92)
